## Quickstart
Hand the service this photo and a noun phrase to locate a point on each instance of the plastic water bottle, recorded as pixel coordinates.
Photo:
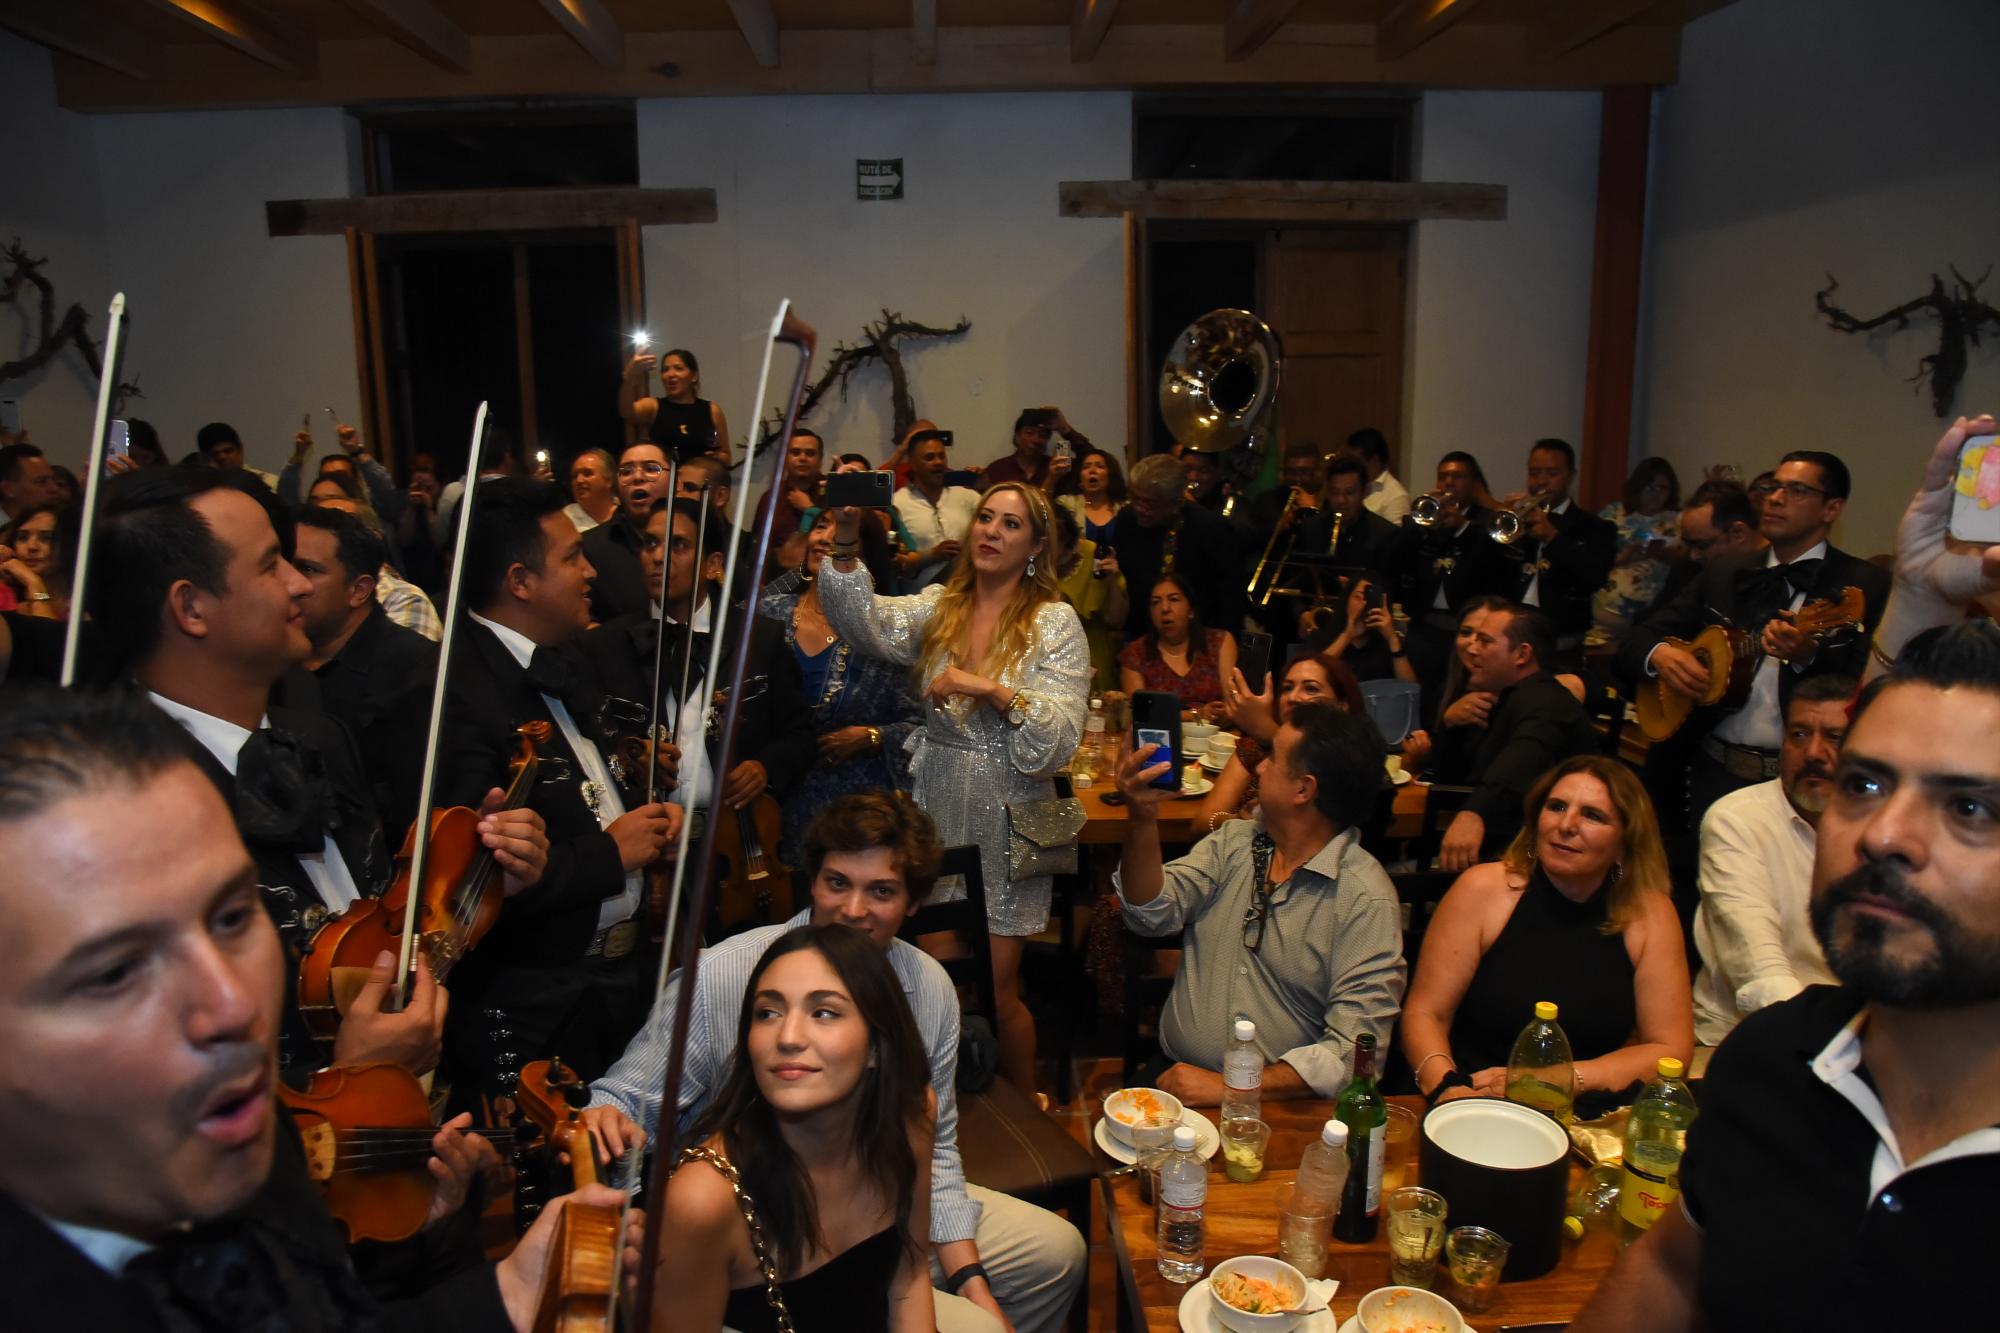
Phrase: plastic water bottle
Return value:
(1091, 759)
(1654, 1139)
(1307, 1218)
(1594, 1206)
(1242, 1075)
(1183, 1197)
(1541, 1072)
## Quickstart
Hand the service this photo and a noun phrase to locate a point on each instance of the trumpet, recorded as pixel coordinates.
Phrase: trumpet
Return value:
(1428, 510)
(1508, 526)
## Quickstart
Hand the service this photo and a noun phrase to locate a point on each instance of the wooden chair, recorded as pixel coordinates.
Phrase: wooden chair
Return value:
(1442, 802)
(1606, 707)
(1006, 1141)
(1143, 990)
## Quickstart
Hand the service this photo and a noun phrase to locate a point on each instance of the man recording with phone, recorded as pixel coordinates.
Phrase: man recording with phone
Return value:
(936, 515)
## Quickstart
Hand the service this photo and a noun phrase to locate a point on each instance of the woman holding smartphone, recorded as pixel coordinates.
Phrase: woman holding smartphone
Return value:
(680, 420)
(1003, 666)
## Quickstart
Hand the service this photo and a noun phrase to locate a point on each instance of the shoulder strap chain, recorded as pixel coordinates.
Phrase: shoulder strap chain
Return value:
(773, 1294)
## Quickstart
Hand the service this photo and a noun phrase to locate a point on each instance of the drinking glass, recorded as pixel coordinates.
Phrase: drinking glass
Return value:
(1243, 1144)
(1303, 1237)
(1475, 1257)
(1398, 1133)
(1416, 1234)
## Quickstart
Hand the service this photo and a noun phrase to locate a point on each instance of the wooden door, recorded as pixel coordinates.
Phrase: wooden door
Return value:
(1335, 296)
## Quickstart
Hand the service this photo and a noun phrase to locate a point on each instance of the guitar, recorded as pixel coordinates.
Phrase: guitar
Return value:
(1732, 658)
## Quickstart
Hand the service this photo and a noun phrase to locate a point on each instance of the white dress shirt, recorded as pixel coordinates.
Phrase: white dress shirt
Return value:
(610, 806)
(1752, 929)
(1388, 497)
(697, 777)
(326, 868)
(109, 1250)
(1533, 596)
(1839, 1067)
(950, 519)
(1761, 722)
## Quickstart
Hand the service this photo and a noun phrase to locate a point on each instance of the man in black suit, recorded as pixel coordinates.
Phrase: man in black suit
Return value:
(775, 737)
(618, 585)
(150, 1181)
(1166, 533)
(1737, 744)
(205, 613)
(1564, 552)
(562, 967)
(374, 675)
(1535, 724)
(1438, 567)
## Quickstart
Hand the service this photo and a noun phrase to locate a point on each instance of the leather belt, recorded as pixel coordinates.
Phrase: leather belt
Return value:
(614, 942)
(1741, 761)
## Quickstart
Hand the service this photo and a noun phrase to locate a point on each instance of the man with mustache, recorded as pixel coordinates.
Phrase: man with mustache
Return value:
(1849, 1138)
(1757, 847)
(148, 1178)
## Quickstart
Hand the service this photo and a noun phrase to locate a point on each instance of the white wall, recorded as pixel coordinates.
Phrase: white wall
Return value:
(50, 199)
(1500, 312)
(1808, 137)
(976, 235)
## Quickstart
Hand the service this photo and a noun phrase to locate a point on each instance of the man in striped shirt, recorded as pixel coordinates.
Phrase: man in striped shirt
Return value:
(1000, 1263)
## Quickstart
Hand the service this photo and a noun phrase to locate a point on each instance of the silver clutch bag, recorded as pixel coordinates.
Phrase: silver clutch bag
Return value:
(1041, 837)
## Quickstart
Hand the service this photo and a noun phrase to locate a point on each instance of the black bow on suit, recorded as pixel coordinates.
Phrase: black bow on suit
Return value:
(1464, 563)
(1573, 565)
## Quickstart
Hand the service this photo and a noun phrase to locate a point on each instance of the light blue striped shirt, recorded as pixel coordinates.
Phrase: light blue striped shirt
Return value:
(634, 1084)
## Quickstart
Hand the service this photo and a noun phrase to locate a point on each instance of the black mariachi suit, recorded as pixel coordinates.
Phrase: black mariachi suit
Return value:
(379, 684)
(1535, 725)
(612, 547)
(1573, 565)
(1465, 564)
(287, 892)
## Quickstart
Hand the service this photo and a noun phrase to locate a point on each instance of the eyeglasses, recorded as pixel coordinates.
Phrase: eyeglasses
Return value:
(1263, 898)
(1796, 490)
(641, 469)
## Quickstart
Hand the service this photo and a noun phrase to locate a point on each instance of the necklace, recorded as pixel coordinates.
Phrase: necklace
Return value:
(811, 625)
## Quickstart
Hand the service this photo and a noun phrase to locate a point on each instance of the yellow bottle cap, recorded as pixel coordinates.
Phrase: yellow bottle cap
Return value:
(1573, 1227)
(1545, 1010)
(1670, 1067)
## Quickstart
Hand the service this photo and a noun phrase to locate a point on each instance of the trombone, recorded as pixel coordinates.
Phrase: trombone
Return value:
(1290, 520)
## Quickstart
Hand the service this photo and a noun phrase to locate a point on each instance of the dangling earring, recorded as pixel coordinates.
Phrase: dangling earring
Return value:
(1031, 566)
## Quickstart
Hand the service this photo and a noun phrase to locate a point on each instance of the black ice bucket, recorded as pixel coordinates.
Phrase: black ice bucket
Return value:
(1502, 1166)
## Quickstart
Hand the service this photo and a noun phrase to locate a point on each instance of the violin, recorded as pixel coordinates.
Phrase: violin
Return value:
(458, 903)
(578, 1285)
(753, 886)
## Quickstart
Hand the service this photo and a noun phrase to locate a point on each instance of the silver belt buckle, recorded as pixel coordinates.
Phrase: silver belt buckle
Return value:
(620, 940)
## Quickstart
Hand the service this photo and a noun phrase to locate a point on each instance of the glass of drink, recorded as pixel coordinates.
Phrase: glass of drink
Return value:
(1475, 1257)
(1398, 1132)
(1243, 1144)
(1416, 1234)
(1303, 1236)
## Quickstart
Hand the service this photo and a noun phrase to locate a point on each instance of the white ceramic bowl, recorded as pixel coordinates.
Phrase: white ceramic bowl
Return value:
(1408, 1310)
(1270, 1270)
(1195, 736)
(1119, 1104)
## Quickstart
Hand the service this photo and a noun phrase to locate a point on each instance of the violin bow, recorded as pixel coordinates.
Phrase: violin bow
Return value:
(93, 482)
(714, 623)
(660, 637)
(785, 328)
(406, 962)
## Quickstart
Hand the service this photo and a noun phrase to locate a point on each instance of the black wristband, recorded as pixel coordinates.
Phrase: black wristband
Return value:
(965, 1275)
(1454, 1079)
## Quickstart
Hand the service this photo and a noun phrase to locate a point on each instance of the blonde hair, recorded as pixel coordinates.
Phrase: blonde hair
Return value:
(944, 643)
(1642, 859)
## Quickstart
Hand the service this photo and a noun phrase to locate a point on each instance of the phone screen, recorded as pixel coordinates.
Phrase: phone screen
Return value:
(1975, 507)
(1162, 744)
(1256, 661)
(118, 440)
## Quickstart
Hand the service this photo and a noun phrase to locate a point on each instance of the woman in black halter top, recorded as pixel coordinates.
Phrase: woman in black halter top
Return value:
(1578, 911)
(680, 420)
(822, 1128)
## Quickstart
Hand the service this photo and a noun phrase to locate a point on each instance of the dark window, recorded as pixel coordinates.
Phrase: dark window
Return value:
(499, 149)
(1353, 139)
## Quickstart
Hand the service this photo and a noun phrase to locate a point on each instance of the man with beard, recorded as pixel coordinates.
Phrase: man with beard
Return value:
(1757, 848)
(1847, 1141)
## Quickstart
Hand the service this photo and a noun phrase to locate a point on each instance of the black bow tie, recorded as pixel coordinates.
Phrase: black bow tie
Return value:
(1780, 580)
(552, 674)
(242, 1276)
(645, 635)
(283, 798)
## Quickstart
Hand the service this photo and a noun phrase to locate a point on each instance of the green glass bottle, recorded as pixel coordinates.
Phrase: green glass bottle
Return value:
(1362, 1109)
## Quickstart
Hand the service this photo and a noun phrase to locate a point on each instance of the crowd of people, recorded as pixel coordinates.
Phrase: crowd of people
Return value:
(251, 745)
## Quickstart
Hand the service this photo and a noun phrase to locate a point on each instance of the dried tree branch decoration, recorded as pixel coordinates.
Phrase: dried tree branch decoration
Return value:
(72, 329)
(1961, 315)
(878, 343)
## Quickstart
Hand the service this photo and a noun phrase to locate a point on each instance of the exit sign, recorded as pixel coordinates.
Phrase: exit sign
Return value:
(878, 178)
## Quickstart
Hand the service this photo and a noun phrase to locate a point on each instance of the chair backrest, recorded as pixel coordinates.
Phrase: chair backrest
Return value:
(1442, 802)
(1394, 706)
(965, 918)
(1419, 892)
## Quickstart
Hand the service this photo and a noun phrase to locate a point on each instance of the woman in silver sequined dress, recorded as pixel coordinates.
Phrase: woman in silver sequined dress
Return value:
(1004, 669)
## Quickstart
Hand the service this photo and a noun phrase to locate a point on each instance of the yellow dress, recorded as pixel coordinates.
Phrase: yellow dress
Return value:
(1088, 594)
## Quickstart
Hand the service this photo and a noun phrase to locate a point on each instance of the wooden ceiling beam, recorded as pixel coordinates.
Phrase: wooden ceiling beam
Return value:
(261, 36)
(58, 25)
(1413, 22)
(423, 28)
(488, 210)
(923, 31)
(591, 26)
(759, 26)
(1088, 23)
(1284, 201)
(1253, 23)
(1568, 24)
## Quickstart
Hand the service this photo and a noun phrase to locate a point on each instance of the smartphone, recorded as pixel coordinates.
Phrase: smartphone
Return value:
(118, 440)
(965, 477)
(1063, 449)
(10, 415)
(862, 490)
(941, 436)
(1975, 508)
(1255, 660)
(1156, 722)
(641, 340)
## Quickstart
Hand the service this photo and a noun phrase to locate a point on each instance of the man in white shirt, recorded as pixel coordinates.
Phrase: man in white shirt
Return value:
(936, 516)
(1386, 496)
(1753, 929)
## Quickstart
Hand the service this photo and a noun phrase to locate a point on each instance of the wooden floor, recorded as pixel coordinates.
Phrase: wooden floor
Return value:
(1095, 1078)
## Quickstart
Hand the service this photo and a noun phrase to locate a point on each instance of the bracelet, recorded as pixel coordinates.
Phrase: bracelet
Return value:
(1418, 1073)
(875, 737)
(1875, 651)
(1452, 1080)
(975, 1269)
(845, 551)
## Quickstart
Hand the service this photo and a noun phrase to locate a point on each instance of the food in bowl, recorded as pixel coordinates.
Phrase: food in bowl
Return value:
(1256, 1295)
(1142, 1117)
(1407, 1310)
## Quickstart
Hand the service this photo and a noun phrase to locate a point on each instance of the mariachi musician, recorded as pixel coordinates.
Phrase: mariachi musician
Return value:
(1442, 559)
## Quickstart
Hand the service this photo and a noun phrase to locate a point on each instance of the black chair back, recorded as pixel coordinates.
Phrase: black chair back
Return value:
(965, 918)
(1442, 802)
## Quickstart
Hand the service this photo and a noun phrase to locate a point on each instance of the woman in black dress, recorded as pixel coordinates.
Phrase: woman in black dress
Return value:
(680, 420)
(1578, 911)
(823, 1128)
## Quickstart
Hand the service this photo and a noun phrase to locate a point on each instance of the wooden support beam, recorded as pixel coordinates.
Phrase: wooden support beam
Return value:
(923, 32)
(1251, 24)
(1619, 257)
(1568, 24)
(1413, 22)
(760, 28)
(423, 28)
(60, 26)
(1284, 201)
(261, 36)
(488, 210)
(1088, 23)
(590, 24)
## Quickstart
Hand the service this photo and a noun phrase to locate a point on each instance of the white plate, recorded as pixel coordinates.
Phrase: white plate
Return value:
(1208, 1139)
(1197, 1315)
(1399, 777)
(1202, 787)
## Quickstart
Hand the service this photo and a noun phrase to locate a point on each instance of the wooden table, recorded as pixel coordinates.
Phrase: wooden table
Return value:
(1105, 824)
(1243, 1219)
